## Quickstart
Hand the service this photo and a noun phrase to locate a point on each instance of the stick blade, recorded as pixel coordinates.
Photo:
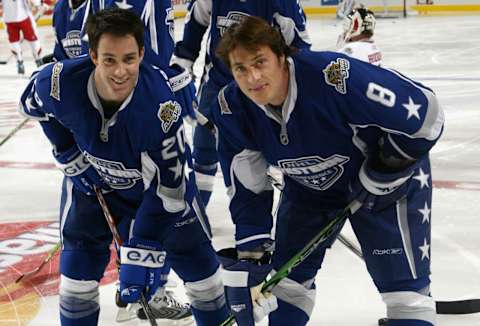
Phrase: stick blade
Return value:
(460, 307)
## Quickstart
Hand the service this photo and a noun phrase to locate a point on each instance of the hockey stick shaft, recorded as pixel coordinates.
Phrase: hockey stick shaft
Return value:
(118, 241)
(50, 255)
(14, 131)
(453, 307)
(330, 229)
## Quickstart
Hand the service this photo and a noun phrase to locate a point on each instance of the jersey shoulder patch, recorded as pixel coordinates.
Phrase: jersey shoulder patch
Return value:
(222, 102)
(55, 80)
(336, 74)
(169, 112)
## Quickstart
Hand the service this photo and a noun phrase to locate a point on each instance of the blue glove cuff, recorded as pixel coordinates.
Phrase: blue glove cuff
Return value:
(72, 162)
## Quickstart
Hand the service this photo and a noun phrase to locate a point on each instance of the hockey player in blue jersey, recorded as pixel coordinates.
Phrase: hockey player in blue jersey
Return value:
(69, 19)
(216, 16)
(340, 130)
(114, 123)
(71, 41)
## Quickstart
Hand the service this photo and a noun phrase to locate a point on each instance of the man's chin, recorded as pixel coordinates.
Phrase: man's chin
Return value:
(258, 99)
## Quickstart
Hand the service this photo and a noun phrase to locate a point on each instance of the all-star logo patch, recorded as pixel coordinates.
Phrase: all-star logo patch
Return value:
(72, 43)
(314, 172)
(168, 113)
(233, 17)
(115, 174)
(337, 73)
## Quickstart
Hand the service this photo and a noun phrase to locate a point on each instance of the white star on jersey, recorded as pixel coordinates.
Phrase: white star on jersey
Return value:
(425, 249)
(123, 4)
(422, 178)
(177, 170)
(412, 108)
(425, 213)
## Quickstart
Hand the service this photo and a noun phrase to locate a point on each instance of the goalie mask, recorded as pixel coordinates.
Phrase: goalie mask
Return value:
(359, 21)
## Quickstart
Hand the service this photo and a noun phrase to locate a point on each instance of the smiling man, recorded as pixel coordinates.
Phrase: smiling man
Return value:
(342, 131)
(115, 123)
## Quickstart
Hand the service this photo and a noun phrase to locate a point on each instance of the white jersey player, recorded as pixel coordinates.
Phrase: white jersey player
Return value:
(17, 16)
(356, 40)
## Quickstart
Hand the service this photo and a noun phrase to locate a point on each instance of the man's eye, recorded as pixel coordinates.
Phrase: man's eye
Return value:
(259, 63)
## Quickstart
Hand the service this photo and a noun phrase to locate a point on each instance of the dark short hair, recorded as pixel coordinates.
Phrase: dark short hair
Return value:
(252, 33)
(115, 21)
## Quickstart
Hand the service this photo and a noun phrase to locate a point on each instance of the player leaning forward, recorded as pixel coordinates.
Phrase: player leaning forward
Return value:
(114, 123)
(339, 129)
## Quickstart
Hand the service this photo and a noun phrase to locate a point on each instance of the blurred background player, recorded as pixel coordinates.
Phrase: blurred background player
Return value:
(18, 17)
(115, 123)
(356, 39)
(69, 21)
(217, 16)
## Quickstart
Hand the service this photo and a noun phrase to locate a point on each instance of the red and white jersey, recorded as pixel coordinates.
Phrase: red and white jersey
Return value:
(17, 10)
(365, 50)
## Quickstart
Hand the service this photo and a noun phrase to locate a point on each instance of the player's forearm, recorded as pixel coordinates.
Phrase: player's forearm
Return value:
(251, 214)
(189, 47)
(60, 137)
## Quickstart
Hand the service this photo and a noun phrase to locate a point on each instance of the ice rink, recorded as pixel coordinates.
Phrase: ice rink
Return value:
(443, 52)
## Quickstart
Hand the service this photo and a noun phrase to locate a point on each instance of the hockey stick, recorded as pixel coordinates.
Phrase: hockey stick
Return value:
(118, 241)
(330, 229)
(14, 130)
(454, 307)
(50, 255)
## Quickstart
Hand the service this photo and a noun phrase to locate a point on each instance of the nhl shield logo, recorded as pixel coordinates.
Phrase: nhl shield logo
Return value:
(233, 17)
(337, 73)
(168, 113)
(313, 171)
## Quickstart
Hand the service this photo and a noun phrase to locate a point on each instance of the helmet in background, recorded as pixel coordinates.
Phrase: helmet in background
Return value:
(361, 21)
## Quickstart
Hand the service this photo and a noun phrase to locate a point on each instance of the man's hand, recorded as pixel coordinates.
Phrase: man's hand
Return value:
(75, 165)
(141, 266)
(243, 281)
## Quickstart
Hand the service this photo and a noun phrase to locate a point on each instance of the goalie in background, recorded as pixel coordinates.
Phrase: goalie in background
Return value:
(356, 40)
(18, 17)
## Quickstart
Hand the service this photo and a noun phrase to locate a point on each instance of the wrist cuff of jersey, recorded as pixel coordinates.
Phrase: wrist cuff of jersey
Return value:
(381, 184)
(75, 163)
(180, 80)
(235, 279)
(252, 242)
(142, 257)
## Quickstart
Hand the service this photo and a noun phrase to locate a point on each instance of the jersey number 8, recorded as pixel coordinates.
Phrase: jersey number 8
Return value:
(381, 95)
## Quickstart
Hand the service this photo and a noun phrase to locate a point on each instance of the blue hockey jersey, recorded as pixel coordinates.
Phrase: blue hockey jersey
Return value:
(337, 111)
(287, 15)
(139, 151)
(69, 25)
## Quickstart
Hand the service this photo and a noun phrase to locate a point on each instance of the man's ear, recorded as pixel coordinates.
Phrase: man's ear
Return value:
(142, 53)
(93, 56)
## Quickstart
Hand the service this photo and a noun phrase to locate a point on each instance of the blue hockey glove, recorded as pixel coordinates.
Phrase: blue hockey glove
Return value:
(378, 190)
(83, 175)
(243, 281)
(141, 266)
(185, 63)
